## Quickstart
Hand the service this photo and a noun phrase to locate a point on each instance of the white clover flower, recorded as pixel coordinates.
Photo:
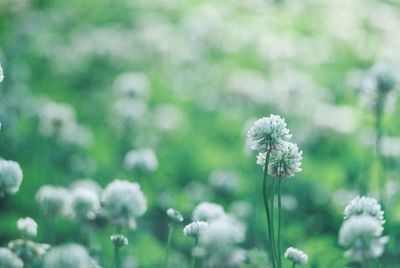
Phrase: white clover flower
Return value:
(53, 201)
(296, 256)
(385, 76)
(88, 184)
(286, 161)
(364, 206)
(27, 250)
(195, 228)
(119, 240)
(85, 203)
(224, 180)
(174, 215)
(268, 133)
(261, 158)
(10, 177)
(207, 211)
(141, 160)
(68, 256)
(9, 259)
(27, 226)
(223, 232)
(128, 112)
(1, 74)
(362, 236)
(134, 85)
(123, 201)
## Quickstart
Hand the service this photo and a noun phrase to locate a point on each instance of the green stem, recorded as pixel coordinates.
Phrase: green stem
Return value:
(379, 132)
(267, 209)
(272, 198)
(279, 223)
(294, 265)
(170, 227)
(116, 261)
(193, 252)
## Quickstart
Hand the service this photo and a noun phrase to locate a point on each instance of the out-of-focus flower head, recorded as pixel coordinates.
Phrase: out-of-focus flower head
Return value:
(141, 160)
(195, 228)
(27, 226)
(226, 181)
(207, 211)
(9, 259)
(286, 161)
(85, 203)
(362, 236)
(10, 177)
(133, 85)
(1, 73)
(364, 206)
(119, 240)
(123, 201)
(68, 256)
(268, 133)
(27, 250)
(174, 215)
(53, 201)
(296, 256)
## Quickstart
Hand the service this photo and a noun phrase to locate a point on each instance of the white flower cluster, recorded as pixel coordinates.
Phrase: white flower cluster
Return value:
(361, 232)
(207, 211)
(296, 256)
(9, 259)
(174, 215)
(85, 203)
(27, 226)
(68, 256)
(141, 161)
(271, 137)
(10, 177)
(123, 201)
(119, 240)
(226, 181)
(194, 229)
(53, 201)
(268, 133)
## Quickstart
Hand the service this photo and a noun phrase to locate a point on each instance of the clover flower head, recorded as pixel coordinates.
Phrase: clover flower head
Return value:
(267, 133)
(10, 177)
(286, 161)
(195, 228)
(85, 203)
(9, 259)
(385, 76)
(224, 180)
(174, 215)
(27, 226)
(132, 84)
(27, 250)
(296, 256)
(53, 200)
(362, 236)
(223, 232)
(364, 206)
(123, 201)
(119, 240)
(141, 160)
(68, 256)
(207, 211)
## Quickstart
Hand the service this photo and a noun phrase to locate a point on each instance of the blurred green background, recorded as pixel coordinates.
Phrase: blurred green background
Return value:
(209, 68)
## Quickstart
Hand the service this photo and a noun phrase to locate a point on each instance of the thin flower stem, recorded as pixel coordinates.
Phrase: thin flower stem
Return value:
(267, 209)
(279, 224)
(378, 265)
(170, 229)
(272, 198)
(193, 252)
(294, 265)
(379, 133)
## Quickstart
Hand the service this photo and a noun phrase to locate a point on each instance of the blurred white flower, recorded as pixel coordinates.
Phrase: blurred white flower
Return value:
(268, 133)
(225, 231)
(195, 228)
(286, 161)
(207, 211)
(364, 206)
(224, 180)
(141, 160)
(362, 236)
(128, 112)
(390, 146)
(27, 250)
(68, 256)
(119, 240)
(53, 201)
(133, 85)
(296, 256)
(168, 117)
(242, 209)
(9, 259)
(85, 203)
(10, 177)
(27, 226)
(123, 201)
(175, 215)
(88, 184)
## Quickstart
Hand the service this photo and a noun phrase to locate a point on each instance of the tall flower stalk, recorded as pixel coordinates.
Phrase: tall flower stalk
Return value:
(119, 241)
(280, 159)
(175, 217)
